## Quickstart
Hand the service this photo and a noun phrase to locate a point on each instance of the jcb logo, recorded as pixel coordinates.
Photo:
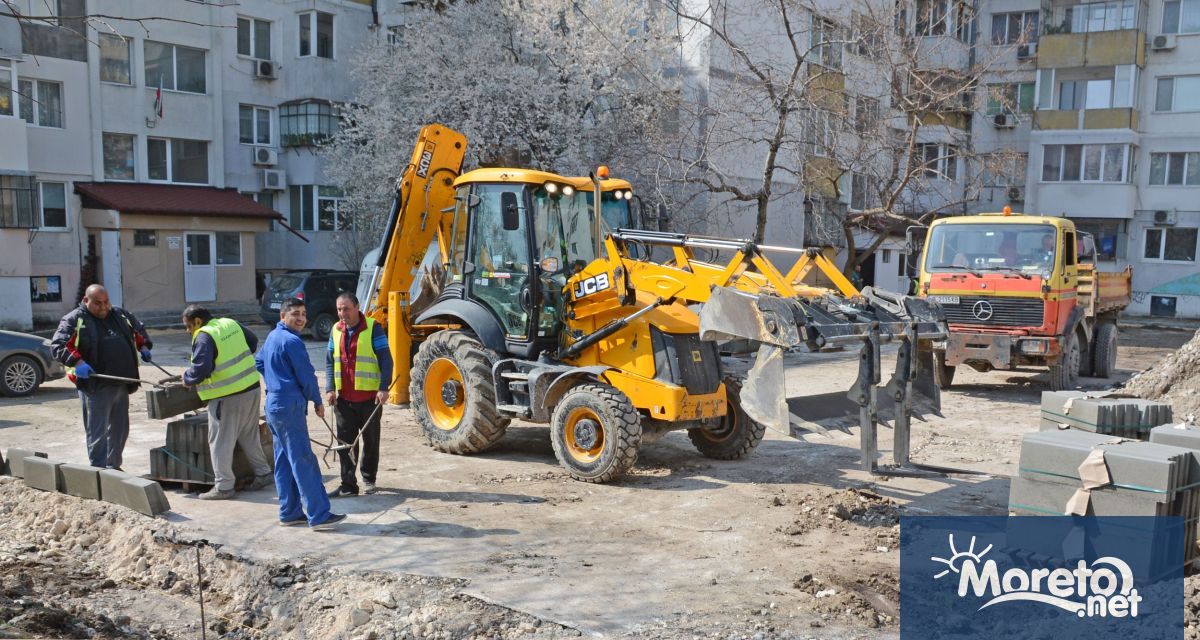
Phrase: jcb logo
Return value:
(591, 285)
(426, 160)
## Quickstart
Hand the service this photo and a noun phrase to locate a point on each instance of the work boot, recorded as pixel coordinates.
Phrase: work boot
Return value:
(342, 492)
(332, 522)
(369, 487)
(262, 482)
(216, 493)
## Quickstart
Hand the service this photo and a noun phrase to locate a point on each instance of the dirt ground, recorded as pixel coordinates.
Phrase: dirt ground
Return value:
(793, 542)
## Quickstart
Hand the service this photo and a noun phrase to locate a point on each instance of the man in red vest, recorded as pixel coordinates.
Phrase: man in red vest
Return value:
(358, 373)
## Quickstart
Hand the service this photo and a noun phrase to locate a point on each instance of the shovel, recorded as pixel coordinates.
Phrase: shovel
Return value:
(129, 380)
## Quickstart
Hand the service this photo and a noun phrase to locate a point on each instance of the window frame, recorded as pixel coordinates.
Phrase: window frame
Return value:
(1083, 155)
(34, 98)
(1011, 96)
(254, 111)
(10, 69)
(253, 39)
(1025, 20)
(139, 234)
(217, 249)
(1167, 158)
(313, 200)
(311, 17)
(1174, 94)
(128, 41)
(1180, 16)
(944, 164)
(66, 225)
(306, 138)
(174, 68)
(133, 167)
(170, 160)
(1163, 232)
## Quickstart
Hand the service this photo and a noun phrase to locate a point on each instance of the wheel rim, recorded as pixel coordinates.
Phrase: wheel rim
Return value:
(445, 394)
(325, 326)
(729, 426)
(20, 376)
(584, 435)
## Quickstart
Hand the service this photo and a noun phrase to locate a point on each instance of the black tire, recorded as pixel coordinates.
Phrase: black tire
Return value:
(607, 447)
(323, 325)
(1104, 354)
(20, 376)
(471, 397)
(736, 437)
(943, 373)
(1065, 373)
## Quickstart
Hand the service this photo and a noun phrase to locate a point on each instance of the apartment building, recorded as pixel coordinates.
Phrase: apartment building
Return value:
(173, 161)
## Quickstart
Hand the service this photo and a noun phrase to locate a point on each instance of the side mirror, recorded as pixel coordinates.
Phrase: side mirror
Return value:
(510, 213)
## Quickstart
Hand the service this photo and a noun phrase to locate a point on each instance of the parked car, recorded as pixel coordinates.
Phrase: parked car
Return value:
(25, 363)
(318, 288)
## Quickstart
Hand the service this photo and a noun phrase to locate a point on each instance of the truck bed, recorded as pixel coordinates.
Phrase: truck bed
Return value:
(1104, 292)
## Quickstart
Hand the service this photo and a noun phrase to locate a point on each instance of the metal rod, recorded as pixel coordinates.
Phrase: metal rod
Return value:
(103, 376)
(200, 585)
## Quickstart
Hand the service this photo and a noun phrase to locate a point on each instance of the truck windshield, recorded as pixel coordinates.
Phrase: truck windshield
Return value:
(991, 247)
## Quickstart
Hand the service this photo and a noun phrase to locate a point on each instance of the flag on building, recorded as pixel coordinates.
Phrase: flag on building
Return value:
(158, 105)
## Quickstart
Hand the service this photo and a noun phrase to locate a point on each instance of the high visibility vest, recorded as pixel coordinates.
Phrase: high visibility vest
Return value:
(234, 369)
(366, 365)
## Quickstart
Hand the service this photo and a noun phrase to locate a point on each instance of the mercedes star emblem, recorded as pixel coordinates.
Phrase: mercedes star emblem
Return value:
(982, 310)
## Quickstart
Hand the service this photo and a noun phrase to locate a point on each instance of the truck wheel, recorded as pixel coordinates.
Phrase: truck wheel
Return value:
(943, 373)
(1105, 353)
(736, 435)
(596, 432)
(1064, 373)
(453, 396)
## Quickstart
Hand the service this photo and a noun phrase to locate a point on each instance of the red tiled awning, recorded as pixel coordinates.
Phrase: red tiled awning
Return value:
(171, 200)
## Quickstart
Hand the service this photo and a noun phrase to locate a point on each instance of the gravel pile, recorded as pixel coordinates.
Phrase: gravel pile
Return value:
(1175, 380)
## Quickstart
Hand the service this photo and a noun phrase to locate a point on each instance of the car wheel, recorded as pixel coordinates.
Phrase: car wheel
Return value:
(20, 376)
(323, 326)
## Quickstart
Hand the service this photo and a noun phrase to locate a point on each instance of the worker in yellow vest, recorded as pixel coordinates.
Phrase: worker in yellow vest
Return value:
(223, 373)
(358, 373)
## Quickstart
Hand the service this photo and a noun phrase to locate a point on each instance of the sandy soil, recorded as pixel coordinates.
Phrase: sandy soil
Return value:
(795, 541)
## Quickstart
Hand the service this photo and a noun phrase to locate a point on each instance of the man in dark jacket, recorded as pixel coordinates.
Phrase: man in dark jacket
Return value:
(99, 338)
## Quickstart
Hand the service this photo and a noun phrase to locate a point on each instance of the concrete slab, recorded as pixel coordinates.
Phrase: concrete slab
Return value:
(43, 474)
(112, 485)
(81, 480)
(145, 496)
(16, 460)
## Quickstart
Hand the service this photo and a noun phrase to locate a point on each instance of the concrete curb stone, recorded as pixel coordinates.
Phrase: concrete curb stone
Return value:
(43, 474)
(81, 480)
(16, 460)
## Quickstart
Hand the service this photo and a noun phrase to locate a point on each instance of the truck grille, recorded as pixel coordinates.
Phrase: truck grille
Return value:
(1005, 312)
(687, 361)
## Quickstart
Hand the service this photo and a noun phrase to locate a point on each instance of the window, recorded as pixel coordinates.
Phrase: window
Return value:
(1162, 306)
(320, 24)
(1170, 244)
(229, 248)
(1181, 93)
(317, 208)
(254, 38)
(1106, 234)
(931, 17)
(864, 192)
(175, 68)
(1098, 93)
(887, 256)
(1010, 98)
(1003, 169)
(867, 37)
(866, 114)
(40, 102)
(1092, 17)
(1085, 163)
(1015, 28)
(305, 123)
(118, 157)
(114, 59)
(145, 238)
(8, 82)
(267, 199)
(176, 160)
(826, 43)
(1181, 16)
(819, 132)
(54, 205)
(1175, 169)
(254, 125)
(18, 202)
(938, 161)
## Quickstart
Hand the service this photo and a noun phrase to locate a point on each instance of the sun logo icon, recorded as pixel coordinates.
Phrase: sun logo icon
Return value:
(957, 558)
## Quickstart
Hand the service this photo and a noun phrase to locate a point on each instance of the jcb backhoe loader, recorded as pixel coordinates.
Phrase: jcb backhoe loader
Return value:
(545, 314)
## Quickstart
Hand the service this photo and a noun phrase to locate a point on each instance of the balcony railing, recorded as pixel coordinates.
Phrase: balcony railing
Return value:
(1092, 17)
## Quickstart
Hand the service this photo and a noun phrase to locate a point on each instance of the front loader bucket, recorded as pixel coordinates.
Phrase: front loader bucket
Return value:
(871, 320)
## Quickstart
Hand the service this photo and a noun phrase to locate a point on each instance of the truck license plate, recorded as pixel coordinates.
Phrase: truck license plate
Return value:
(275, 305)
(944, 299)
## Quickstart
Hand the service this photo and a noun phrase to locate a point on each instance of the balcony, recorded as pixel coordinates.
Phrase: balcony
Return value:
(1096, 17)
(1093, 49)
(1112, 118)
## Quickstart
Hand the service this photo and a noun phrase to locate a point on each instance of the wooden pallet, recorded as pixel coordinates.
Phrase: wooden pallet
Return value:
(185, 486)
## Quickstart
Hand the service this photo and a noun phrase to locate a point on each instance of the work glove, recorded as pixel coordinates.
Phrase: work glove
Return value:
(145, 354)
(83, 370)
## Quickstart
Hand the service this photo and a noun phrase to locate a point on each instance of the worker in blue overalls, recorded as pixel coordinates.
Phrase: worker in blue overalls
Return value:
(291, 383)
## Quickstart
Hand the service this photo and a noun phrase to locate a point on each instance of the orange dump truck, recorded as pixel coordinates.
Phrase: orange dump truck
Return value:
(1021, 291)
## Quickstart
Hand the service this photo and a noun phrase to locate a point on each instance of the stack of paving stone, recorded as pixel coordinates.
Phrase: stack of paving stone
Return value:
(187, 458)
(1145, 479)
(141, 495)
(171, 400)
(1106, 415)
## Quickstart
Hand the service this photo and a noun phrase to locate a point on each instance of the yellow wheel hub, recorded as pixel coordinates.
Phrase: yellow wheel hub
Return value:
(445, 394)
(584, 435)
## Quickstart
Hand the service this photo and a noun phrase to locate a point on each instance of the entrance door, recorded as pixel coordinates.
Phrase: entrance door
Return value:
(110, 265)
(199, 268)
(501, 260)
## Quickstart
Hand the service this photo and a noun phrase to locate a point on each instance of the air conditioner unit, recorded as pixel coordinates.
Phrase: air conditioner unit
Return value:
(273, 180)
(266, 69)
(1027, 51)
(1016, 194)
(1004, 121)
(1164, 217)
(1164, 42)
(265, 157)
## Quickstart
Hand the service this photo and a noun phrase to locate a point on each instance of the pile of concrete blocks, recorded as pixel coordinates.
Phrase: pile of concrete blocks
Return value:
(1142, 479)
(170, 401)
(1102, 414)
(39, 472)
(186, 457)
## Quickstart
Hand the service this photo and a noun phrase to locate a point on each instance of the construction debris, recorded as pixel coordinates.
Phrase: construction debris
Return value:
(1176, 379)
(1103, 413)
